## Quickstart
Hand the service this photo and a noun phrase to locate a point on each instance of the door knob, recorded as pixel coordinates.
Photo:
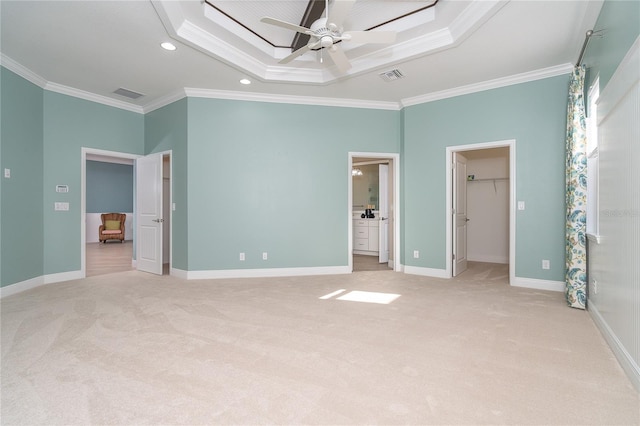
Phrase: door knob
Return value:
(158, 220)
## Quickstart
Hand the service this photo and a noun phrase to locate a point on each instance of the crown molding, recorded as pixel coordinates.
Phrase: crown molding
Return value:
(22, 71)
(488, 85)
(88, 96)
(526, 77)
(164, 100)
(291, 99)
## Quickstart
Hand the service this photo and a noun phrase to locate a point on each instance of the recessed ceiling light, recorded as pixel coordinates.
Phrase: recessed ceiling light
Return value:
(168, 46)
(245, 81)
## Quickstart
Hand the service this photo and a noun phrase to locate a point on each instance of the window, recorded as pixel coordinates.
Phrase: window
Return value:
(592, 160)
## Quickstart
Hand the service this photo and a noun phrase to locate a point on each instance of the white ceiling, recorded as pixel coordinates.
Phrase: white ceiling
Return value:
(91, 48)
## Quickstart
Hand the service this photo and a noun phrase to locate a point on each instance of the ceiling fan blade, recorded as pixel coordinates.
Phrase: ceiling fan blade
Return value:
(287, 25)
(304, 49)
(338, 11)
(380, 37)
(339, 58)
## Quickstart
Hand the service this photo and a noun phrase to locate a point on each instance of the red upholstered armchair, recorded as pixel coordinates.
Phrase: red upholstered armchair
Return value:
(112, 227)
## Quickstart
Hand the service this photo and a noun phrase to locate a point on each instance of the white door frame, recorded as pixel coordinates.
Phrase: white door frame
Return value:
(396, 203)
(83, 196)
(511, 144)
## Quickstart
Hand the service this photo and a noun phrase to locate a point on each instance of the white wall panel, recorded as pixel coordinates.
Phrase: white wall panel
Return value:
(614, 264)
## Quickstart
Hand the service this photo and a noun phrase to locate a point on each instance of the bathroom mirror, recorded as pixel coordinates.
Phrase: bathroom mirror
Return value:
(365, 186)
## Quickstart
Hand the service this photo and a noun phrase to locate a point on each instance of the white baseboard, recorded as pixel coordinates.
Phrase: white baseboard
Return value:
(179, 273)
(263, 273)
(62, 276)
(626, 361)
(539, 284)
(21, 286)
(427, 272)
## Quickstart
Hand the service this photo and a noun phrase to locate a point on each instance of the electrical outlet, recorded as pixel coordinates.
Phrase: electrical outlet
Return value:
(594, 286)
(242, 256)
(7, 173)
(545, 264)
(520, 205)
(264, 255)
(416, 254)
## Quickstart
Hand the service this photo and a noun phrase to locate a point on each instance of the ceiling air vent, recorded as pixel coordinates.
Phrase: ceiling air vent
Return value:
(128, 93)
(392, 75)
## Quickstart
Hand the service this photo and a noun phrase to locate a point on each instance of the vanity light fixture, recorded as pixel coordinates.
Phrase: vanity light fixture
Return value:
(245, 81)
(356, 172)
(168, 46)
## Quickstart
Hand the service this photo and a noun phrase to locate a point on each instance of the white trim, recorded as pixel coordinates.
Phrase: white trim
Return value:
(396, 204)
(22, 71)
(488, 85)
(179, 273)
(511, 144)
(21, 286)
(594, 238)
(88, 96)
(262, 273)
(620, 83)
(289, 99)
(426, 272)
(539, 284)
(94, 154)
(624, 358)
(63, 276)
(164, 101)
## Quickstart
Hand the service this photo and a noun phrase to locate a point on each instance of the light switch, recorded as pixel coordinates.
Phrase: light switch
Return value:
(61, 206)
(173, 207)
(520, 205)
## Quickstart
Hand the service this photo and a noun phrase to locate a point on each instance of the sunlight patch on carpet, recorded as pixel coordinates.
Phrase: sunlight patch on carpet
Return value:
(369, 297)
(330, 295)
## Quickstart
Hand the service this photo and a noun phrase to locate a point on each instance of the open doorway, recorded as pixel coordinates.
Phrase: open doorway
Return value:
(373, 211)
(481, 208)
(107, 186)
(117, 257)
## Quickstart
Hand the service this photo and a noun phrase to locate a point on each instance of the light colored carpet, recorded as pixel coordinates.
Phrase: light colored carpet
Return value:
(134, 348)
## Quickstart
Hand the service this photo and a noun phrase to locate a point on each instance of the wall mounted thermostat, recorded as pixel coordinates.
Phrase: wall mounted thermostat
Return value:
(62, 188)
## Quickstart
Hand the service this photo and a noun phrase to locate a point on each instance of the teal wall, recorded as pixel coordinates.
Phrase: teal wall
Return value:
(620, 22)
(70, 124)
(274, 177)
(109, 187)
(21, 208)
(166, 129)
(534, 114)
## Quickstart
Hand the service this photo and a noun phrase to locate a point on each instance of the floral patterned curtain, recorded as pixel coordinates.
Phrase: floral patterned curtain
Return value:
(576, 194)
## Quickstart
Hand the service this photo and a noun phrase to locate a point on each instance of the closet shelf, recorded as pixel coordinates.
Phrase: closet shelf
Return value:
(495, 188)
(486, 179)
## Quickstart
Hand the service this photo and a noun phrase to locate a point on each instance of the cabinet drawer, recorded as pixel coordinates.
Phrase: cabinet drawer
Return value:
(374, 224)
(360, 222)
(360, 232)
(361, 244)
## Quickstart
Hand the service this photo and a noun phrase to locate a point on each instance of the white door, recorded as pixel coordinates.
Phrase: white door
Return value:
(459, 212)
(383, 213)
(149, 213)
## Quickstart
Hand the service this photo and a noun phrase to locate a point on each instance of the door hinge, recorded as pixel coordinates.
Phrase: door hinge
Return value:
(454, 257)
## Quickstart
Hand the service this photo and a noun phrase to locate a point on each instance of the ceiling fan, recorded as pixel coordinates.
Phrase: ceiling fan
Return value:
(326, 32)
